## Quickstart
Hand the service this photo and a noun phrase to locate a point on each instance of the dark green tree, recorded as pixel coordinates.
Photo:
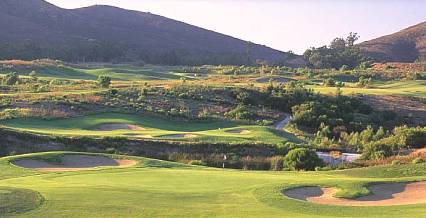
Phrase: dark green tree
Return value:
(302, 159)
(104, 81)
(11, 79)
(340, 52)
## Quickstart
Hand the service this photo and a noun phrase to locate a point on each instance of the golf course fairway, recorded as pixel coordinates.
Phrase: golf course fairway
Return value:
(151, 127)
(165, 189)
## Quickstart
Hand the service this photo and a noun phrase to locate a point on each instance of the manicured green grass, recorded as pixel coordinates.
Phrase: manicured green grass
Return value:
(155, 127)
(403, 88)
(163, 189)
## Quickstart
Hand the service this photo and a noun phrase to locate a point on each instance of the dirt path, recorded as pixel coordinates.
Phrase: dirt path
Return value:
(280, 126)
(73, 163)
(381, 195)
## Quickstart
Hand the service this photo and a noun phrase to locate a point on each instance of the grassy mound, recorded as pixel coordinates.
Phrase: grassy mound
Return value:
(16, 200)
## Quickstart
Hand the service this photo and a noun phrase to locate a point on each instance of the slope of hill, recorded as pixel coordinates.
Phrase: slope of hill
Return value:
(406, 45)
(38, 29)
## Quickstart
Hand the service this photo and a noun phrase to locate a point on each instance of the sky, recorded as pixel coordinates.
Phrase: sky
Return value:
(285, 25)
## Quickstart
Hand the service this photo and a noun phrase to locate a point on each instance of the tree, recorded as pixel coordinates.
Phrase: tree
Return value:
(329, 82)
(104, 81)
(367, 134)
(302, 159)
(340, 52)
(376, 151)
(379, 134)
(338, 44)
(243, 97)
(362, 81)
(11, 79)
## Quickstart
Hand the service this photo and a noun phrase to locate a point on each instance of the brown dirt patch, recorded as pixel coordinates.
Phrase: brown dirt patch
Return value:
(239, 131)
(74, 163)
(403, 106)
(419, 152)
(381, 195)
(117, 126)
(274, 79)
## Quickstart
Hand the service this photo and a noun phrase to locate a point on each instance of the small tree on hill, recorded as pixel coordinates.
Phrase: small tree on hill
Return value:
(33, 75)
(104, 81)
(302, 159)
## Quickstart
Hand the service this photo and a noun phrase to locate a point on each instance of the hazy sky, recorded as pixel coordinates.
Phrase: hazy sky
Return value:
(282, 24)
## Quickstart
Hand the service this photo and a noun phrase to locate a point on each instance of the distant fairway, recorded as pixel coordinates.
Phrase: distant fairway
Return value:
(163, 189)
(151, 127)
(124, 73)
(403, 88)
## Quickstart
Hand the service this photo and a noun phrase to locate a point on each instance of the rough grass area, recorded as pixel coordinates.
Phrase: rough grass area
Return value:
(153, 127)
(164, 189)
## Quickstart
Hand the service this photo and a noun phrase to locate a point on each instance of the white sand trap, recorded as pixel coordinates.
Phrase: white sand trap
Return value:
(134, 135)
(239, 131)
(117, 126)
(386, 194)
(178, 136)
(73, 163)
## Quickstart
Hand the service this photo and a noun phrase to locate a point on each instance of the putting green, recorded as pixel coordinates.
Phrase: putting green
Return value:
(144, 126)
(163, 189)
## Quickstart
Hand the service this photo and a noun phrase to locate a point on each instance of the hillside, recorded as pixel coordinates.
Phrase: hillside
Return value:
(38, 29)
(406, 45)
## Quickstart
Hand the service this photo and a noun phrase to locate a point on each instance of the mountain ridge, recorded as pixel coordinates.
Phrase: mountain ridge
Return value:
(107, 33)
(406, 45)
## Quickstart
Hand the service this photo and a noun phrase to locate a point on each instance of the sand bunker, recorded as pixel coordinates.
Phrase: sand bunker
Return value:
(73, 163)
(137, 135)
(117, 126)
(239, 131)
(386, 194)
(178, 136)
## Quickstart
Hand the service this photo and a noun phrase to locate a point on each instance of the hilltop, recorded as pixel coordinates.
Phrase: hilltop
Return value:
(406, 45)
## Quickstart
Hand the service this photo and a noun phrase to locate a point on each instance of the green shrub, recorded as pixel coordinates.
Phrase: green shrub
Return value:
(302, 159)
(11, 79)
(418, 160)
(396, 162)
(376, 151)
(104, 81)
(241, 112)
(330, 82)
(327, 168)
